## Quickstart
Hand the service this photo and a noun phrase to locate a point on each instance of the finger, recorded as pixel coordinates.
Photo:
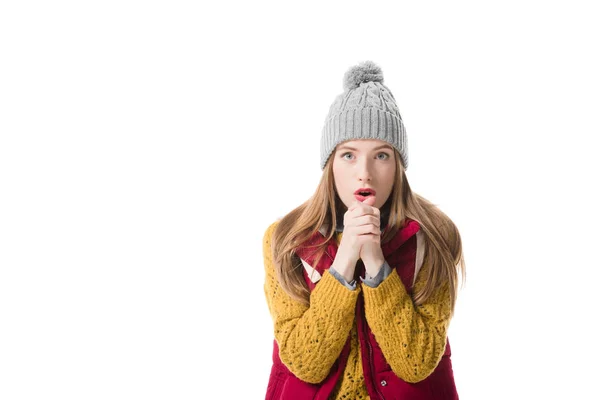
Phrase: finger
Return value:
(370, 201)
(363, 231)
(354, 205)
(369, 209)
(364, 223)
(369, 219)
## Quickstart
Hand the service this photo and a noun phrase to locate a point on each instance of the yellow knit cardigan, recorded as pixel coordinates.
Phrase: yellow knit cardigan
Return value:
(310, 338)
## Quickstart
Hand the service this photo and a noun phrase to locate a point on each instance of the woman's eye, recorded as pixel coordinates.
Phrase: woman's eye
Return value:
(384, 158)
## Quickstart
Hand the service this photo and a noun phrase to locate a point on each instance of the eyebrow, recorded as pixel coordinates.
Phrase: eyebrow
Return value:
(385, 146)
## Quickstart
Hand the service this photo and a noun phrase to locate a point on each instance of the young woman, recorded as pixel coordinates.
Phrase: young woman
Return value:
(361, 280)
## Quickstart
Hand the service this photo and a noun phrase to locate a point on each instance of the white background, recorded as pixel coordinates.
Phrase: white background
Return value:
(146, 146)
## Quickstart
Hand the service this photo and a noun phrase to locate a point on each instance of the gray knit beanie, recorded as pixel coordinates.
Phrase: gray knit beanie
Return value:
(365, 110)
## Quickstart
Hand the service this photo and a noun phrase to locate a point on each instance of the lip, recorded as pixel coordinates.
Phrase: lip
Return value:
(372, 191)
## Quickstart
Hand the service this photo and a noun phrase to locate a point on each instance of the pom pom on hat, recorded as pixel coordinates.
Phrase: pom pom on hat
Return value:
(366, 71)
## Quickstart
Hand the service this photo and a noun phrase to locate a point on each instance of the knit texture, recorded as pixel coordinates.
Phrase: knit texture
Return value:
(310, 338)
(413, 338)
(365, 110)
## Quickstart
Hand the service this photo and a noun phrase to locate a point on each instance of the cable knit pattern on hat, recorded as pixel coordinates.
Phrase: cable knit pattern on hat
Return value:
(366, 109)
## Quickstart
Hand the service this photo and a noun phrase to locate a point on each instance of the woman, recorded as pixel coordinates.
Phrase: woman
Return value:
(361, 279)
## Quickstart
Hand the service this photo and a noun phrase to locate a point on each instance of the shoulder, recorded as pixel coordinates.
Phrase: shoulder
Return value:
(270, 229)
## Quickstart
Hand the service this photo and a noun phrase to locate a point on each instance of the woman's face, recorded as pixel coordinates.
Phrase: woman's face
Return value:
(364, 163)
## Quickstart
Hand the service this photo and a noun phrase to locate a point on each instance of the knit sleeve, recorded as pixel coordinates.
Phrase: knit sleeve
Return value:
(310, 337)
(412, 338)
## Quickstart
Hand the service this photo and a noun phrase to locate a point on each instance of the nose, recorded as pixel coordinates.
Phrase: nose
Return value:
(364, 170)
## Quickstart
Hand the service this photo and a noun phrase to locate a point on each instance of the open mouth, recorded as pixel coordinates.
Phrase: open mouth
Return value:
(365, 192)
(362, 194)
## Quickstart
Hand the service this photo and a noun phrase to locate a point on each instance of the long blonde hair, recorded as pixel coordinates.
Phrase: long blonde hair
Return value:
(443, 246)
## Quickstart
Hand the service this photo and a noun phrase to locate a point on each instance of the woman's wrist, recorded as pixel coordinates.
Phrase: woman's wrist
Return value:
(372, 267)
(345, 268)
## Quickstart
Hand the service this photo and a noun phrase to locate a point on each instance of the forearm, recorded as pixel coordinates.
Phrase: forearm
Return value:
(310, 337)
(412, 338)
(344, 268)
(375, 280)
(373, 266)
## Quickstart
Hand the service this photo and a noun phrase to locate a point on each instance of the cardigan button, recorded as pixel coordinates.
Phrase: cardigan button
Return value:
(383, 383)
